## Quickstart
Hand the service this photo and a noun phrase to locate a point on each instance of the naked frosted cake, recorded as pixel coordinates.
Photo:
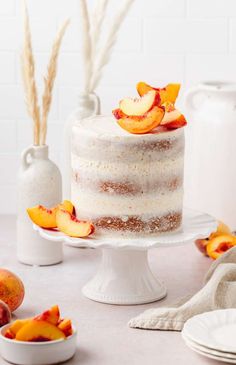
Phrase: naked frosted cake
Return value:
(128, 183)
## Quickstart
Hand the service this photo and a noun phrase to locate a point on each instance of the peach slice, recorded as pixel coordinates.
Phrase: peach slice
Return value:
(202, 245)
(168, 93)
(51, 315)
(42, 216)
(173, 118)
(15, 327)
(46, 218)
(71, 226)
(118, 114)
(67, 205)
(66, 327)
(144, 124)
(140, 106)
(222, 229)
(220, 244)
(143, 88)
(38, 331)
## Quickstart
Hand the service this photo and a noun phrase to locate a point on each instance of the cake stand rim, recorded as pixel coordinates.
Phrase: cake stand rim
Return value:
(195, 225)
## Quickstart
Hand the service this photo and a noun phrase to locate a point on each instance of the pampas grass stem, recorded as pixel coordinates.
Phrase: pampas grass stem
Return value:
(106, 51)
(49, 81)
(87, 44)
(28, 74)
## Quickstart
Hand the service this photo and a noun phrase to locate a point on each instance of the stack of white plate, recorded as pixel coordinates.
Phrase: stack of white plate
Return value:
(213, 334)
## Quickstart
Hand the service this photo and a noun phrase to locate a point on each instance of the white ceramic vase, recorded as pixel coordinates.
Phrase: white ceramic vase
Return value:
(210, 179)
(39, 182)
(89, 105)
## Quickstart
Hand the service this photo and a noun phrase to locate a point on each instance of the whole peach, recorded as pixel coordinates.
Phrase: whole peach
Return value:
(11, 289)
(5, 313)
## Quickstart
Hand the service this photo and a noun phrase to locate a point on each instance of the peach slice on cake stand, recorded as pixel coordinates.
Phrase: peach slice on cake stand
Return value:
(124, 276)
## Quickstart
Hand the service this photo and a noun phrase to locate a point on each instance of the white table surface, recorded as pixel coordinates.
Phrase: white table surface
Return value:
(103, 335)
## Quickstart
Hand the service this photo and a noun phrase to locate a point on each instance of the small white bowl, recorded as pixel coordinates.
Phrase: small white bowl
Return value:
(36, 353)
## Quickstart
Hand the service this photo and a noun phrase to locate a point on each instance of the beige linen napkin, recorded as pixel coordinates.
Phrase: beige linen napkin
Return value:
(219, 291)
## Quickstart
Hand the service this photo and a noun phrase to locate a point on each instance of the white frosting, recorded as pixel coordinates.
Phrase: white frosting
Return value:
(146, 205)
(102, 151)
(118, 169)
(106, 128)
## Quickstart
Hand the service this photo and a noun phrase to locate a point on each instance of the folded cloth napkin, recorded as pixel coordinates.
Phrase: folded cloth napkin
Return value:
(219, 291)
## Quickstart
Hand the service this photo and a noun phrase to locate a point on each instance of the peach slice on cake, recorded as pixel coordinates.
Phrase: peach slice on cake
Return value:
(118, 114)
(173, 119)
(66, 327)
(140, 106)
(168, 93)
(46, 218)
(39, 331)
(142, 124)
(51, 315)
(219, 245)
(70, 225)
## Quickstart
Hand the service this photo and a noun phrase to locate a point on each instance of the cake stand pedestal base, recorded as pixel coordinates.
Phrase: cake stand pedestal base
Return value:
(124, 277)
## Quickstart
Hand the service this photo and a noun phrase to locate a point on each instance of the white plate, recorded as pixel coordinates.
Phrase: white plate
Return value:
(211, 356)
(195, 225)
(215, 330)
(37, 353)
(208, 350)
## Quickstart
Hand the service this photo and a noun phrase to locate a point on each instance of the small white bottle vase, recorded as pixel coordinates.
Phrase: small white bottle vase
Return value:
(39, 182)
(89, 105)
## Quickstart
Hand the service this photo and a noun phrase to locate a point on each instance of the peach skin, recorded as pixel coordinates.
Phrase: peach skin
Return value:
(51, 315)
(65, 326)
(70, 225)
(219, 245)
(11, 289)
(168, 93)
(222, 229)
(143, 124)
(16, 326)
(46, 218)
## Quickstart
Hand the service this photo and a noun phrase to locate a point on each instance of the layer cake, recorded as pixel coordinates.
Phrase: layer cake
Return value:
(127, 183)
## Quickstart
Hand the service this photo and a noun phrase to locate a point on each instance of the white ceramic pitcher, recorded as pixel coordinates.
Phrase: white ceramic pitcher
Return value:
(89, 105)
(39, 182)
(210, 181)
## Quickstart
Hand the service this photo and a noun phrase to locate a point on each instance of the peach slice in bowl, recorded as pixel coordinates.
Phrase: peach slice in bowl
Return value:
(37, 353)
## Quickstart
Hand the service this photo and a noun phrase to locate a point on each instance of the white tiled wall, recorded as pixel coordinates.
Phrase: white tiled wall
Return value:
(161, 40)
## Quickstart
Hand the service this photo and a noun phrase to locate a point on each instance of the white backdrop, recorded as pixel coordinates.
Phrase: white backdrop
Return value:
(161, 41)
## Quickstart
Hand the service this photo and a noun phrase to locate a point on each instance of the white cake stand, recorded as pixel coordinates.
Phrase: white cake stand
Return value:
(124, 276)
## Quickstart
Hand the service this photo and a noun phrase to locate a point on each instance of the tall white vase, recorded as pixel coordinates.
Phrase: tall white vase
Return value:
(210, 166)
(39, 182)
(89, 105)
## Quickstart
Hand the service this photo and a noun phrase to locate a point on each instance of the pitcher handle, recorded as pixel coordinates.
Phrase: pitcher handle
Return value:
(97, 109)
(24, 157)
(190, 96)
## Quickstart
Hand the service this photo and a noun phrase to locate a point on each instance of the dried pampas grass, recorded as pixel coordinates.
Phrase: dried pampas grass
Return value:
(94, 58)
(28, 75)
(87, 43)
(49, 81)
